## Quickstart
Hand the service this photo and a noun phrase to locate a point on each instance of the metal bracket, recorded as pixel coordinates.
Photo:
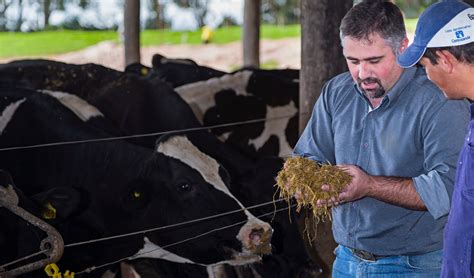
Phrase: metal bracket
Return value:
(52, 245)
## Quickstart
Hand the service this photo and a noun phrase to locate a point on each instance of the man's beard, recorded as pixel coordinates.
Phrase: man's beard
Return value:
(373, 93)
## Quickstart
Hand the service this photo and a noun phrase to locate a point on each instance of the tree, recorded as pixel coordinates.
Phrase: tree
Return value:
(4, 5)
(281, 12)
(157, 19)
(199, 8)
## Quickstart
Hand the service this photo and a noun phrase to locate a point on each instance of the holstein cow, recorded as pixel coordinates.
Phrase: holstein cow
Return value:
(244, 96)
(179, 72)
(120, 188)
(139, 105)
(248, 94)
(135, 105)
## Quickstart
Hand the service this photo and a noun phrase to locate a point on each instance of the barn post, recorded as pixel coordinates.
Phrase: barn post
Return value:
(251, 33)
(131, 31)
(321, 59)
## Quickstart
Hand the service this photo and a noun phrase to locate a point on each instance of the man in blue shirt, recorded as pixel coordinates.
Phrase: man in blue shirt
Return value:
(444, 46)
(389, 128)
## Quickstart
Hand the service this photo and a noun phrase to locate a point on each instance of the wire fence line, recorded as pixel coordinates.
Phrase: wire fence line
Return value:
(160, 228)
(177, 131)
(238, 123)
(90, 269)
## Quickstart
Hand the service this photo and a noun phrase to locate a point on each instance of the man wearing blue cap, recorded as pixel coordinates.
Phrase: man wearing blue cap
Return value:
(388, 127)
(444, 46)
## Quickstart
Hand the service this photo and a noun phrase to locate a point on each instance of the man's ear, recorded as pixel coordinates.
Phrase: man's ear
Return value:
(446, 60)
(404, 45)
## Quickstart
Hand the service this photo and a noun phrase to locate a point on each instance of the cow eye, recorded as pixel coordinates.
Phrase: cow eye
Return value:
(186, 187)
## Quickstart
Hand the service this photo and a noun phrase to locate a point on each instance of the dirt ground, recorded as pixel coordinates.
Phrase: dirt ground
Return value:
(284, 53)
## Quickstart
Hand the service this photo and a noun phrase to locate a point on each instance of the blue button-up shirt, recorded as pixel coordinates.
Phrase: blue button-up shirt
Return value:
(459, 232)
(415, 132)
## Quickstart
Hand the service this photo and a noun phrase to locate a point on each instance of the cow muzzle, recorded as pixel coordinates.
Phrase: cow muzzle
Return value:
(255, 237)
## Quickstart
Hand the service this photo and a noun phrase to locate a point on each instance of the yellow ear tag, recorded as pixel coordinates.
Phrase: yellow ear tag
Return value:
(144, 71)
(52, 270)
(137, 194)
(49, 212)
(68, 274)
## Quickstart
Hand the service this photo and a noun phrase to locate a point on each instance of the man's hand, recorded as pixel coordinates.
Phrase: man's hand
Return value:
(359, 187)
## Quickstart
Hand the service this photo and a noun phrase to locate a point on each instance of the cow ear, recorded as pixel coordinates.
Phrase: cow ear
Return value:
(162, 139)
(59, 202)
(156, 60)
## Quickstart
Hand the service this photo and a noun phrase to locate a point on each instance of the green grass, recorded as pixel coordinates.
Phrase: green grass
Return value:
(50, 42)
(15, 44)
(221, 35)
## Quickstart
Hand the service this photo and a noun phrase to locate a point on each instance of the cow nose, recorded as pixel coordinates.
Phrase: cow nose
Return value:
(255, 237)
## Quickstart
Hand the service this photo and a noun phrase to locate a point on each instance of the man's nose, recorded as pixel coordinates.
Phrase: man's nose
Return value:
(364, 70)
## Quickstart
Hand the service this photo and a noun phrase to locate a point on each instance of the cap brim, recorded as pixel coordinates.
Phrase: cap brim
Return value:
(411, 55)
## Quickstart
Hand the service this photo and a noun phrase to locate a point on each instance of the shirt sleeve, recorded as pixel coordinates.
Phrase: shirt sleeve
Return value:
(443, 134)
(317, 140)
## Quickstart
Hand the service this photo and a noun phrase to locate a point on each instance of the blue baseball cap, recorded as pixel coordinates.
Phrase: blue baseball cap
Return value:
(443, 24)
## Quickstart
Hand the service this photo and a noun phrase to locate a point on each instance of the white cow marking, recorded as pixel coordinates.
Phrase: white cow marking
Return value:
(151, 250)
(201, 95)
(276, 127)
(8, 113)
(77, 105)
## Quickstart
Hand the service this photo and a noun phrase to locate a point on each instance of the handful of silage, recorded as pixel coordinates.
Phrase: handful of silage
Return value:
(306, 177)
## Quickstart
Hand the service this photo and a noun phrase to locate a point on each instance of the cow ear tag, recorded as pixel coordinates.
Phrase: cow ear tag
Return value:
(52, 270)
(144, 71)
(68, 274)
(137, 194)
(49, 212)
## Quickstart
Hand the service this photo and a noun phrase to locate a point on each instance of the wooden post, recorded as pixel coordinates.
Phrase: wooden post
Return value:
(321, 59)
(321, 52)
(131, 32)
(251, 33)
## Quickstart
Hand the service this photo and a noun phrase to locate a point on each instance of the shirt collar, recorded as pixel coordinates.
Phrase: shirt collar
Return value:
(397, 89)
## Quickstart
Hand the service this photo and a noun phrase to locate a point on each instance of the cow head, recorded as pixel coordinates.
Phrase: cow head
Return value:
(201, 187)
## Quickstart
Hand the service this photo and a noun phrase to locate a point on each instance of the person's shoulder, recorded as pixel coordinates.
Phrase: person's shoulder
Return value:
(425, 89)
(431, 97)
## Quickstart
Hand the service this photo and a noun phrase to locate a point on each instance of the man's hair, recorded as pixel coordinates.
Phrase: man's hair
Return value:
(374, 17)
(464, 53)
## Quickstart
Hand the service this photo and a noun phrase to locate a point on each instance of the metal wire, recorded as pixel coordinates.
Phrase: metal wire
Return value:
(146, 134)
(170, 226)
(24, 258)
(146, 231)
(90, 269)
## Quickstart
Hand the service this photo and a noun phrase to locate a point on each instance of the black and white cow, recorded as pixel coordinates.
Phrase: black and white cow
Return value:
(120, 187)
(248, 94)
(145, 105)
(135, 105)
(244, 96)
(179, 72)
